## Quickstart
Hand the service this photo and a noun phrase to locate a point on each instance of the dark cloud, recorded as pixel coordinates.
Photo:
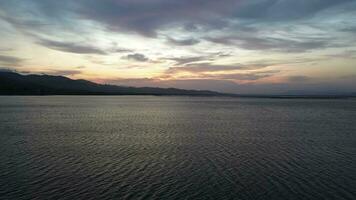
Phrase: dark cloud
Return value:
(146, 17)
(79, 47)
(24, 23)
(10, 60)
(349, 29)
(269, 43)
(278, 10)
(184, 42)
(38, 18)
(268, 25)
(71, 47)
(137, 57)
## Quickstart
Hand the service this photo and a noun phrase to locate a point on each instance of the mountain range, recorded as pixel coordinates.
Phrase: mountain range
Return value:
(12, 83)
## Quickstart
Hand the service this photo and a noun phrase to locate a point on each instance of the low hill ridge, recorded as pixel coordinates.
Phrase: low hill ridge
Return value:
(12, 83)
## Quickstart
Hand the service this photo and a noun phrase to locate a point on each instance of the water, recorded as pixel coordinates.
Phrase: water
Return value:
(136, 147)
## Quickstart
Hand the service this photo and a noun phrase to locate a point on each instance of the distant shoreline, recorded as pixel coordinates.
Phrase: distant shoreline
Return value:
(187, 95)
(15, 84)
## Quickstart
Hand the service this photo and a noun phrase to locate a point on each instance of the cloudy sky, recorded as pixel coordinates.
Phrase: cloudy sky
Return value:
(240, 46)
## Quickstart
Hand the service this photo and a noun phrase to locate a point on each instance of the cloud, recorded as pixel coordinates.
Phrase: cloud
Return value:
(6, 49)
(184, 42)
(241, 76)
(117, 49)
(349, 29)
(212, 71)
(149, 16)
(71, 47)
(80, 47)
(10, 60)
(62, 72)
(298, 78)
(283, 10)
(347, 54)
(203, 67)
(270, 43)
(137, 57)
(120, 50)
(268, 26)
(192, 59)
(209, 67)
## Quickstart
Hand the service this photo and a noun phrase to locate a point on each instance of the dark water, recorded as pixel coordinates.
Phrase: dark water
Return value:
(176, 148)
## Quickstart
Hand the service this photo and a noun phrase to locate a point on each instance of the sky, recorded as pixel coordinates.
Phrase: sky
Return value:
(236, 46)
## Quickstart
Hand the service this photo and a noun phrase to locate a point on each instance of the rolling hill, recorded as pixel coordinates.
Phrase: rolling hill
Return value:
(12, 83)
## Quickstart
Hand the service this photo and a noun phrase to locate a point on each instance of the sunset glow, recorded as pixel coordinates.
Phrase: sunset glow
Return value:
(239, 46)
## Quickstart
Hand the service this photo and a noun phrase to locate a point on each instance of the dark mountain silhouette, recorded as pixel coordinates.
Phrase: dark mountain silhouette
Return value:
(12, 83)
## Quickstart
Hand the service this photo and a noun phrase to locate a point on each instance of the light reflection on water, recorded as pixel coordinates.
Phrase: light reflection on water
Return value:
(137, 147)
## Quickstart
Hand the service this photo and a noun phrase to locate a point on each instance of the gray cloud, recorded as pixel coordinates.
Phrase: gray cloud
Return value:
(71, 47)
(230, 72)
(210, 67)
(10, 60)
(120, 50)
(298, 78)
(149, 16)
(194, 59)
(137, 57)
(204, 67)
(283, 10)
(117, 49)
(241, 77)
(6, 49)
(186, 60)
(184, 42)
(348, 54)
(349, 29)
(269, 43)
(146, 17)
(62, 72)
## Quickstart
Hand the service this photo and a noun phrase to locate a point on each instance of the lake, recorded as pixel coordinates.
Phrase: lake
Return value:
(147, 147)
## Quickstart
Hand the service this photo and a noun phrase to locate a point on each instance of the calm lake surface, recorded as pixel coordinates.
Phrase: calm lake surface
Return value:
(146, 147)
